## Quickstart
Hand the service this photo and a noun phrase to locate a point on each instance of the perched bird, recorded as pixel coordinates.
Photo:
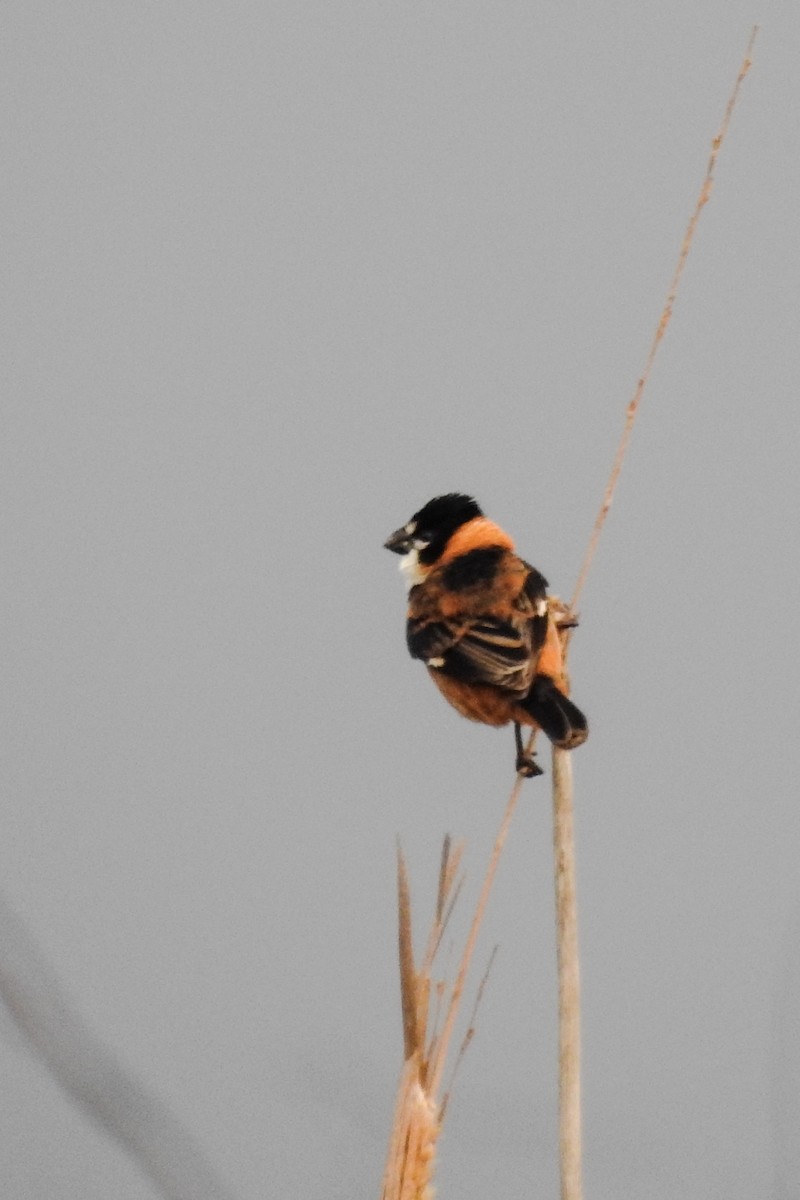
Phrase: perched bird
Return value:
(479, 618)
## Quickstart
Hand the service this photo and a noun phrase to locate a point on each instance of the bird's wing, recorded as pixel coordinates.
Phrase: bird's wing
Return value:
(429, 638)
(481, 647)
(493, 651)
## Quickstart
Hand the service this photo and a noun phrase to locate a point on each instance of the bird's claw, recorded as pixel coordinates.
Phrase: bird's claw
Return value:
(527, 767)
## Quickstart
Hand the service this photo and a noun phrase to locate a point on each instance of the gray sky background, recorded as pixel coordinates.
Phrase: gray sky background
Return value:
(273, 275)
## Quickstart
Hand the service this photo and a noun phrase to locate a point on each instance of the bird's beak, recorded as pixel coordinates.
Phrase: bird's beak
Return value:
(400, 542)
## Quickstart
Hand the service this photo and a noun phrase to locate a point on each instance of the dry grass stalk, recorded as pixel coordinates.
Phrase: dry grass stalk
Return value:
(563, 832)
(418, 1119)
(661, 328)
(569, 994)
(468, 1035)
(419, 1111)
(412, 1148)
(439, 1059)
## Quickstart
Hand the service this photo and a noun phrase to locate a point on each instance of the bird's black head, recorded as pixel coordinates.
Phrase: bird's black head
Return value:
(431, 527)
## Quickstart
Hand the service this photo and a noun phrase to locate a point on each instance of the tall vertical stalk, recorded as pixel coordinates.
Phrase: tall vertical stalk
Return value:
(569, 984)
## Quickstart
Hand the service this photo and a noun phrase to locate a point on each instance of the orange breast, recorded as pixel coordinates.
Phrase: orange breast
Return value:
(477, 701)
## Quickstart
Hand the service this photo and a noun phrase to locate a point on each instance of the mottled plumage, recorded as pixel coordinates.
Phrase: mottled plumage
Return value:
(479, 618)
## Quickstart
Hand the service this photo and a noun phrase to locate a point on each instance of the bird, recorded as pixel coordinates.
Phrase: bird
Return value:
(480, 619)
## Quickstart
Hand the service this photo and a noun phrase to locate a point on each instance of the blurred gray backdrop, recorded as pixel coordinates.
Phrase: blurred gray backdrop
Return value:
(273, 275)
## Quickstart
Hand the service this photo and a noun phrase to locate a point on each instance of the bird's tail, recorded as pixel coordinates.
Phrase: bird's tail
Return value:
(555, 714)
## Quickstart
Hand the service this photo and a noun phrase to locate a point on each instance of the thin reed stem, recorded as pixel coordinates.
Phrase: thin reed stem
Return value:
(438, 1064)
(418, 1119)
(666, 314)
(569, 988)
(569, 1034)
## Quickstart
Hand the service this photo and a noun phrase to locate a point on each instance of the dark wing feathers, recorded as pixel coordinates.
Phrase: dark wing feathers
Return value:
(478, 646)
(535, 586)
(492, 651)
(428, 639)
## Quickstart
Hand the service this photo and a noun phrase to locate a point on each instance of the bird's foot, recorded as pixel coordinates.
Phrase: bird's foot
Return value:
(527, 767)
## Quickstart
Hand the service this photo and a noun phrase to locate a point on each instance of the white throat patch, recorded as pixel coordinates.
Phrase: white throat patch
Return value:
(410, 568)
